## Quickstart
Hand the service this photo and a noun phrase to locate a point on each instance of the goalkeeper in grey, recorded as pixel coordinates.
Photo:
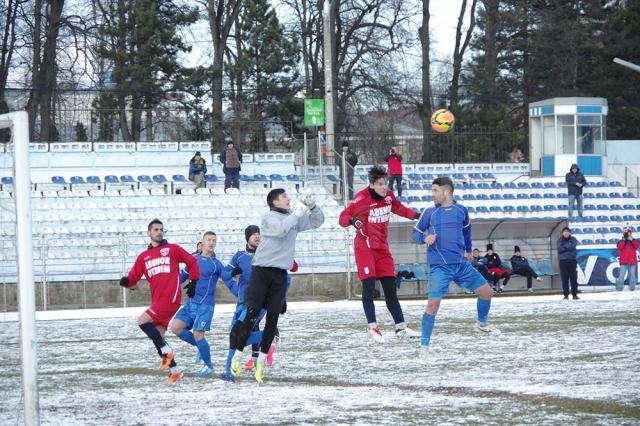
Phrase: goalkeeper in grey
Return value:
(273, 258)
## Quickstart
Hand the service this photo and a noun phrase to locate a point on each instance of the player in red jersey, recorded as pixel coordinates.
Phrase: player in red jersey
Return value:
(369, 213)
(160, 264)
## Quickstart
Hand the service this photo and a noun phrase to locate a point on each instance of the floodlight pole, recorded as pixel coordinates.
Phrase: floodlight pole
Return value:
(26, 291)
(627, 64)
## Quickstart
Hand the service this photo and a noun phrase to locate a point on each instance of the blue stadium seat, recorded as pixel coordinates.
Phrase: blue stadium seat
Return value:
(524, 185)
(561, 195)
(587, 230)
(278, 178)
(475, 175)
(482, 209)
(246, 178)
(523, 209)
(127, 179)
(488, 176)
(471, 209)
(586, 242)
(588, 219)
(508, 209)
(615, 207)
(613, 240)
(602, 218)
(615, 218)
(537, 185)
(628, 207)
(420, 272)
(77, 179)
(615, 195)
(628, 218)
(495, 197)
(484, 185)
(293, 178)
(615, 230)
(428, 177)
(522, 196)
(602, 230)
(496, 185)
(415, 186)
(535, 195)
(495, 209)
(426, 198)
(426, 187)
(550, 185)
(458, 186)
(402, 199)
(600, 184)
(181, 178)
(159, 179)
(638, 217)
(599, 195)
(469, 186)
(93, 179)
(536, 208)
(405, 268)
(145, 179)
(7, 180)
(414, 199)
(482, 197)
(628, 195)
(577, 231)
(260, 178)
(58, 180)
(562, 184)
(509, 197)
(414, 176)
(459, 176)
(111, 179)
(549, 195)
(332, 178)
(602, 241)
(546, 267)
(590, 195)
(615, 183)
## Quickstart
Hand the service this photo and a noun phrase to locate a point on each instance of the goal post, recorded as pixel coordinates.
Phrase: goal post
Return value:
(18, 124)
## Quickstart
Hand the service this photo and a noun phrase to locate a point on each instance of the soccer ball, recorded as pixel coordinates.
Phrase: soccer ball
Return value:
(442, 120)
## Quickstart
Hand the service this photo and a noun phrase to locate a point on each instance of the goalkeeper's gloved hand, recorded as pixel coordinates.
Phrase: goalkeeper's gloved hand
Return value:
(309, 201)
(191, 288)
(124, 281)
(357, 222)
(284, 308)
(236, 271)
(300, 209)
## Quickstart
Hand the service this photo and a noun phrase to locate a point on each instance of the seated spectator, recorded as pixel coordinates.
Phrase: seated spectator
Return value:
(197, 170)
(520, 266)
(494, 264)
(480, 264)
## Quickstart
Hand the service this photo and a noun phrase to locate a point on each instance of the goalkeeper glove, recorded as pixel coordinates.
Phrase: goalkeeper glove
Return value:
(191, 288)
(236, 271)
(357, 222)
(124, 281)
(309, 201)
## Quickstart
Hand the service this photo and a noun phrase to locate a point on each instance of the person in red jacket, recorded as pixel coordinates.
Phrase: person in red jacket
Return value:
(160, 264)
(394, 164)
(628, 247)
(369, 214)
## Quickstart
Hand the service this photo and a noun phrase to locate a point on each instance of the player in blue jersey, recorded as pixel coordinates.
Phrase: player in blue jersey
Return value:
(194, 319)
(446, 228)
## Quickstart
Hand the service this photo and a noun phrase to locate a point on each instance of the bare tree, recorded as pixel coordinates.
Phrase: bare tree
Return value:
(460, 49)
(424, 107)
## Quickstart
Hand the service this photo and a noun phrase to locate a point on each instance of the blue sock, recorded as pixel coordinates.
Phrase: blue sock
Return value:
(205, 352)
(230, 355)
(254, 337)
(187, 336)
(428, 321)
(483, 310)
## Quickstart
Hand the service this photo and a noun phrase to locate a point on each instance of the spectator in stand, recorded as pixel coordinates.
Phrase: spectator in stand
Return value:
(352, 159)
(231, 159)
(480, 264)
(394, 168)
(494, 264)
(520, 266)
(567, 257)
(516, 156)
(197, 170)
(628, 247)
(198, 249)
(575, 183)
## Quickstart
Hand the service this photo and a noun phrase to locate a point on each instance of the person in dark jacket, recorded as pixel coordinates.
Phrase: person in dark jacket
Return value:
(494, 264)
(628, 247)
(479, 263)
(567, 257)
(231, 159)
(197, 170)
(352, 160)
(575, 183)
(394, 166)
(520, 266)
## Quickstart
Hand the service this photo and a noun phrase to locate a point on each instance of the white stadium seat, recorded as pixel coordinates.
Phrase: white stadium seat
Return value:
(96, 193)
(111, 193)
(158, 191)
(203, 191)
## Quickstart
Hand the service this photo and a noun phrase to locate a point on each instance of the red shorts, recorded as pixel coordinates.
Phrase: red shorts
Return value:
(161, 313)
(498, 271)
(374, 263)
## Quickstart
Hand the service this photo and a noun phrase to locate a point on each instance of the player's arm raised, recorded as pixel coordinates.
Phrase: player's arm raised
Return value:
(315, 217)
(401, 210)
(192, 263)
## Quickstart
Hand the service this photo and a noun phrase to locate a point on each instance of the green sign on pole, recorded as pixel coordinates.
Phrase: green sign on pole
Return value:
(314, 112)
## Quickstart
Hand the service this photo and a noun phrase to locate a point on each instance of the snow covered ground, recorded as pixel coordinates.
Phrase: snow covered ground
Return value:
(556, 362)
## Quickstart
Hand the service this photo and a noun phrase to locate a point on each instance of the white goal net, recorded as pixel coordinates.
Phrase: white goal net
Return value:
(19, 205)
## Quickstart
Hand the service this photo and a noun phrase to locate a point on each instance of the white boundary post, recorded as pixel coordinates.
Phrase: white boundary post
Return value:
(18, 121)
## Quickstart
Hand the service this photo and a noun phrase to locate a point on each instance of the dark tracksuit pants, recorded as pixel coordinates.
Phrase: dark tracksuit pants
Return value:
(528, 272)
(569, 273)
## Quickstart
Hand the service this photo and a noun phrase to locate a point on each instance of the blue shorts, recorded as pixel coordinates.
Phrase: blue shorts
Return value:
(197, 316)
(241, 313)
(465, 275)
